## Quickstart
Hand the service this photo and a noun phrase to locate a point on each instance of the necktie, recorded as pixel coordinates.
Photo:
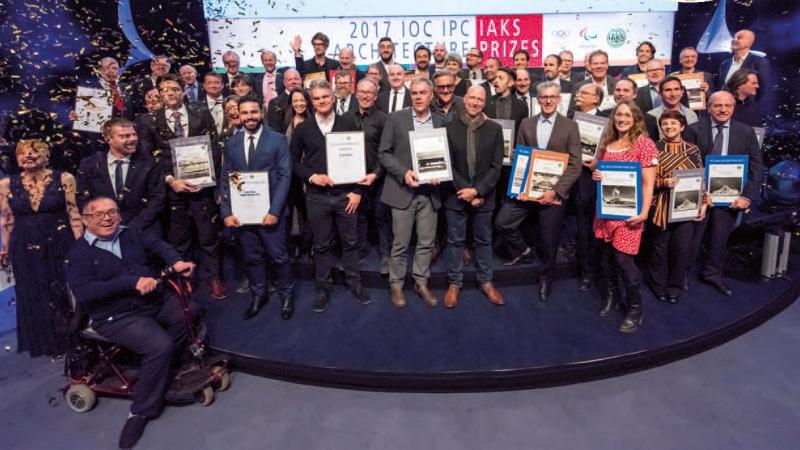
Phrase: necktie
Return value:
(474, 76)
(341, 106)
(190, 92)
(119, 106)
(176, 116)
(717, 148)
(394, 101)
(251, 151)
(119, 182)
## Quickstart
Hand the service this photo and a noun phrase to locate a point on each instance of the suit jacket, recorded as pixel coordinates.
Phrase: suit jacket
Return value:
(394, 154)
(309, 155)
(565, 138)
(741, 141)
(272, 155)
(201, 94)
(258, 80)
(140, 87)
(352, 106)
(144, 194)
(751, 61)
(311, 66)
(105, 286)
(643, 99)
(519, 110)
(489, 162)
(276, 112)
(650, 123)
(384, 83)
(384, 101)
(455, 110)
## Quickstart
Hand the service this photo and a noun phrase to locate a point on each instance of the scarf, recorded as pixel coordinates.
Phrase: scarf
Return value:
(472, 123)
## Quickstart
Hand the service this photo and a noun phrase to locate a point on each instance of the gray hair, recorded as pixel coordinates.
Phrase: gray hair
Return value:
(454, 57)
(421, 80)
(320, 84)
(548, 85)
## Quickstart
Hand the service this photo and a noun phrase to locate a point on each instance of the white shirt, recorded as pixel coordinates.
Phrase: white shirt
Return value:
(184, 119)
(217, 113)
(256, 136)
(422, 123)
(325, 124)
(342, 108)
(401, 95)
(735, 65)
(112, 170)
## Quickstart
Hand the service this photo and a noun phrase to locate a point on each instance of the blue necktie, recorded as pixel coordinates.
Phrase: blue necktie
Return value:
(119, 182)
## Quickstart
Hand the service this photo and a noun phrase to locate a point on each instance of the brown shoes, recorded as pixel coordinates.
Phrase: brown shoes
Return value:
(451, 296)
(426, 294)
(217, 289)
(398, 298)
(494, 295)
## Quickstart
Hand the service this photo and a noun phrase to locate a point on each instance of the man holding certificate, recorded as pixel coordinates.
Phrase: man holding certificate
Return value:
(256, 174)
(719, 134)
(554, 132)
(332, 165)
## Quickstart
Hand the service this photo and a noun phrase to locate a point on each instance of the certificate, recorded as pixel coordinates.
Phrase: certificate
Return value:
(249, 194)
(760, 131)
(619, 194)
(430, 155)
(93, 107)
(508, 139)
(519, 171)
(726, 176)
(192, 160)
(346, 157)
(546, 168)
(639, 78)
(691, 82)
(686, 198)
(309, 77)
(591, 128)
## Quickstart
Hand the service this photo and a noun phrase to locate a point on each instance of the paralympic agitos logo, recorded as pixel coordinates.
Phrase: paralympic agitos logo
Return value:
(587, 35)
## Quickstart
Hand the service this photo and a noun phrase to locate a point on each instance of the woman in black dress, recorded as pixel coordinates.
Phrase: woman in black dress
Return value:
(40, 221)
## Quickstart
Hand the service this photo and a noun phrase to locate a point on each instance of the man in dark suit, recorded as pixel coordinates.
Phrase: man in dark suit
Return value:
(386, 52)
(231, 61)
(213, 99)
(490, 70)
(260, 149)
(192, 209)
(504, 105)
(626, 89)
(647, 97)
(550, 66)
(131, 177)
(276, 110)
(330, 206)
(110, 270)
(523, 91)
(397, 96)
(553, 132)
(345, 100)
(744, 59)
(445, 102)
(565, 68)
(319, 63)
(412, 203)
(159, 66)
(473, 71)
(598, 75)
(476, 154)
(192, 89)
(422, 62)
(268, 84)
(721, 135)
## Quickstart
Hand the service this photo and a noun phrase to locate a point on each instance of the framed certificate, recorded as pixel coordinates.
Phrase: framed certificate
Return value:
(726, 176)
(508, 139)
(591, 128)
(192, 160)
(309, 77)
(346, 157)
(639, 78)
(691, 82)
(430, 155)
(619, 194)
(519, 171)
(760, 131)
(249, 194)
(93, 107)
(546, 168)
(686, 198)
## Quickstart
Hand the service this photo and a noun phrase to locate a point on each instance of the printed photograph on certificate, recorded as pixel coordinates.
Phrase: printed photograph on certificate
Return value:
(192, 161)
(686, 198)
(619, 194)
(430, 155)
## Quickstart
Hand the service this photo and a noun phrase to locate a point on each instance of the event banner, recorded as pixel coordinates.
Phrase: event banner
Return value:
(496, 35)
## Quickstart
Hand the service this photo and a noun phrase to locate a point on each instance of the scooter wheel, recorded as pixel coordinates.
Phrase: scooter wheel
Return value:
(80, 398)
(224, 378)
(205, 397)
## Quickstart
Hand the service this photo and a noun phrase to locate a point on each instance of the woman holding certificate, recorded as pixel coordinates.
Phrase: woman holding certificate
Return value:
(625, 140)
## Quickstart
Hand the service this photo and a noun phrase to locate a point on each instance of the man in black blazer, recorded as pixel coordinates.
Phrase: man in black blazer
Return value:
(319, 63)
(476, 155)
(330, 205)
(412, 203)
(192, 88)
(445, 102)
(598, 75)
(550, 66)
(422, 62)
(192, 210)
(397, 96)
(231, 61)
(132, 177)
(159, 66)
(260, 149)
(276, 110)
(268, 84)
(721, 135)
(386, 52)
(626, 89)
(647, 97)
(744, 59)
(504, 105)
(553, 132)
(345, 99)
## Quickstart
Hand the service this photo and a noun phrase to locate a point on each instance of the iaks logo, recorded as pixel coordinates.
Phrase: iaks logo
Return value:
(587, 35)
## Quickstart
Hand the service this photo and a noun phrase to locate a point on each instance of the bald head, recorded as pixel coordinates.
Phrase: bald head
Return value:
(475, 100)
(654, 71)
(720, 106)
(743, 40)
(396, 76)
(347, 58)
(291, 79)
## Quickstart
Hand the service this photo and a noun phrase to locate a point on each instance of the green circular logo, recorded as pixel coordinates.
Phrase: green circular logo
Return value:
(616, 37)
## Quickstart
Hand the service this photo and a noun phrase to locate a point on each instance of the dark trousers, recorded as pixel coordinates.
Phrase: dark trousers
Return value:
(260, 243)
(324, 211)
(154, 335)
(196, 215)
(614, 263)
(670, 256)
(551, 217)
(457, 221)
(371, 206)
(720, 222)
(584, 197)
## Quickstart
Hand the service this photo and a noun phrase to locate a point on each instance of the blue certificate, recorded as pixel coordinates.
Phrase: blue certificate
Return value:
(619, 194)
(519, 171)
(726, 176)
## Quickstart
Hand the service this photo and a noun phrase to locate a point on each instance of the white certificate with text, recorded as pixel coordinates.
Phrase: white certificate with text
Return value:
(345, 153)
(430, 155)
(249, 193)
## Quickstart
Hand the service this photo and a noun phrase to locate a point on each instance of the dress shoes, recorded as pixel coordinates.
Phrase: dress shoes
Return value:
(217, 289)
(610, 303)
(361, 295)
(451, 296)
(585, 284)
(287, 307)
(720, 286)
(426, 294)
(132, 431)
(545, 289)
(526, 257)
(672, 299)
(662, 298)
(495, 297)
(255, 306)
(321, 303)
(398, 298)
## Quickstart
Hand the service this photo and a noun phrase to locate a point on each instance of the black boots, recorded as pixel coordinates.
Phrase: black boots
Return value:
(633, 317)
(610, 301)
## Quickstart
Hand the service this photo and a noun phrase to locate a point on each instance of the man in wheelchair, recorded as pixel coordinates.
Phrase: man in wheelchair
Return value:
(113, 273)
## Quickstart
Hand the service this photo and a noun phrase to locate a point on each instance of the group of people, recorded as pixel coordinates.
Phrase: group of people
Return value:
(126, 195)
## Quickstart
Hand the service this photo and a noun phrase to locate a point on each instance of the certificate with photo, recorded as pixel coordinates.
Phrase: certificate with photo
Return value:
(619, 194)
(309, 77)
(508, 139)
(691, 82)
(686, 198)
(93, 107)
(249, 194)
(346, 157)
(546, 168)
(192, 160)
(430, 155)
(726, 176)
(591, 129)
(760, 131)
(519, 171)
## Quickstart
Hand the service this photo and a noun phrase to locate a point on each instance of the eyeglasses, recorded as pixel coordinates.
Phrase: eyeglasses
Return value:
(366, 93)
(549, 97)
(587, 93)
(474, 55)
(446, 87)
(100, 215)
(318, 44)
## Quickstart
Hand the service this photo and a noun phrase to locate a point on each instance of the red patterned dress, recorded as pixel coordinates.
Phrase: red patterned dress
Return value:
(624, 237)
